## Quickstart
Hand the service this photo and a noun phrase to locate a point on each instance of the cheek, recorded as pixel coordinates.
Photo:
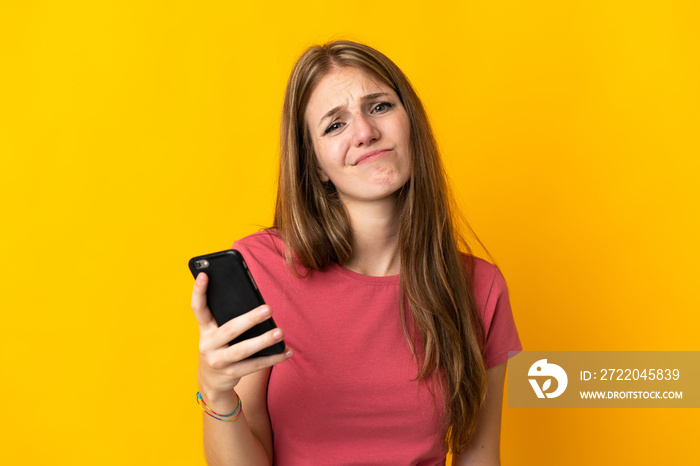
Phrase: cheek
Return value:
(324, 161)
(329, 155)
(406, 130)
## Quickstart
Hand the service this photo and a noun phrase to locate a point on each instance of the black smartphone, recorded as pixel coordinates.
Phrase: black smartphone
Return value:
(232, 292)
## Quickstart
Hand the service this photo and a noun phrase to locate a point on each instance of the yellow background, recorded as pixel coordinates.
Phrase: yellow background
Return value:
(135, 135)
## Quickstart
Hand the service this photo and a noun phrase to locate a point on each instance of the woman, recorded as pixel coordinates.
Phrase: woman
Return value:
(397, 342)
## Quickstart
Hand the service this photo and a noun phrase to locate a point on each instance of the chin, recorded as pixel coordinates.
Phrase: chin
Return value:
(390, 178)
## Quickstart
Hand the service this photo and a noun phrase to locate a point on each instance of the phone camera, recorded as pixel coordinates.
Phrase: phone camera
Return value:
(201, 264)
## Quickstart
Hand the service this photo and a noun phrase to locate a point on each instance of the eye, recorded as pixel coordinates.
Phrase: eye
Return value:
(333, 127)
(381, 107)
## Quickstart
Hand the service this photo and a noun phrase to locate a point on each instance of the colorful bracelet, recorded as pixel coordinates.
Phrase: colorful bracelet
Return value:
(233, 416)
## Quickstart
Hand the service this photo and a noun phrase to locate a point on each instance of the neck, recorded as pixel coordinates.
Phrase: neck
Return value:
(375, 230)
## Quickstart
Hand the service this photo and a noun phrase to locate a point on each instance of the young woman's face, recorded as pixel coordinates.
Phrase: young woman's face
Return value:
(361, 135)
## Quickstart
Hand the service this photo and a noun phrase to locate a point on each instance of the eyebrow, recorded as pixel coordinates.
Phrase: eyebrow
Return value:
(335, 110)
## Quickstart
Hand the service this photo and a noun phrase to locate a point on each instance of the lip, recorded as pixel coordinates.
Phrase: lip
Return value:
(372, 154)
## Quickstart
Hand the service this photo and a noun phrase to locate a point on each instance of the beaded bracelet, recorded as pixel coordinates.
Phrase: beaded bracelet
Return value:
(233, 416)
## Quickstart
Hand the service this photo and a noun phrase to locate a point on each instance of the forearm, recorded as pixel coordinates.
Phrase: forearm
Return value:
(231, 443)
(246, 440)
(485, 446)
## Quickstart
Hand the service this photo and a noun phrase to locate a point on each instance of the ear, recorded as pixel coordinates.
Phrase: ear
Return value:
(322, 174)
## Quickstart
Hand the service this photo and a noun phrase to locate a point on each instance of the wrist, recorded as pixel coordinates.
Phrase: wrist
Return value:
(220, 401)
(230, 417)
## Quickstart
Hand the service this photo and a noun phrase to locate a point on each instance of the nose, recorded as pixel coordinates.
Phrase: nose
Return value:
(366, 131)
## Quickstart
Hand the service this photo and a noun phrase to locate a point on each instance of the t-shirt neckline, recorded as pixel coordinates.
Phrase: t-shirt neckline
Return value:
(386, 279)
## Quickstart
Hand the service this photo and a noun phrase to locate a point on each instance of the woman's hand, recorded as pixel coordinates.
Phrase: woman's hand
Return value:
(221, 366)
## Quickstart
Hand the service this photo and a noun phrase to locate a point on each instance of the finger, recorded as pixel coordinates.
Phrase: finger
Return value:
(255, 364)
(199, 302)
(235, 327)
(249, 347)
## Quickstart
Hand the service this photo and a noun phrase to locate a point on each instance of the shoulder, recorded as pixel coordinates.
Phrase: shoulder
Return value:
(265, 252)
(261, 245)
(489, 289)
(263, 249)
(486, 277)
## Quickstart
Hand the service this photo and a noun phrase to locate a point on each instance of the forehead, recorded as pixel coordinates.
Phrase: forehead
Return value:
(343, 86)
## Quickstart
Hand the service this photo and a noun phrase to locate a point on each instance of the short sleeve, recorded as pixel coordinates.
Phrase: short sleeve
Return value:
(499, 324)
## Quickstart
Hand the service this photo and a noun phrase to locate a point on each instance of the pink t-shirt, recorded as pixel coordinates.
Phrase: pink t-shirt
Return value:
(347, 396)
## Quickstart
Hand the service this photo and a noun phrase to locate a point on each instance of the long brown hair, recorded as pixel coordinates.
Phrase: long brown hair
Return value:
(434, 281)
